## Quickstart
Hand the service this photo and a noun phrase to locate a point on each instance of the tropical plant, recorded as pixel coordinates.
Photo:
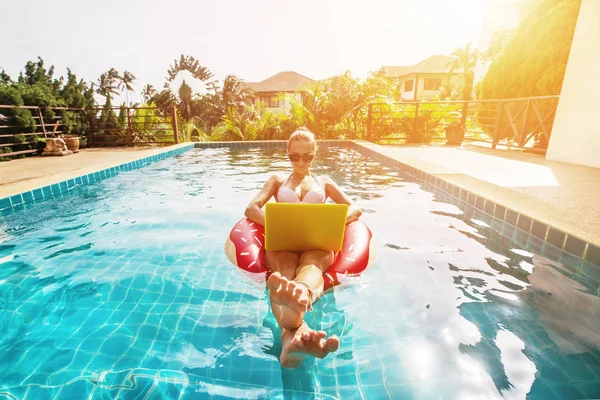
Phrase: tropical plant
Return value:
(531, 60)
(126, 84)
(147, 92)
(465, 60)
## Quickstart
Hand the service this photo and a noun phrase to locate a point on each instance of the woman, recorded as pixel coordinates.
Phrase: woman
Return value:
(296, 281)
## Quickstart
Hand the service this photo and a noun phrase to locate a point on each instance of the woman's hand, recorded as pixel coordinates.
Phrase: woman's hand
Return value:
(354, 212)
(335, 193)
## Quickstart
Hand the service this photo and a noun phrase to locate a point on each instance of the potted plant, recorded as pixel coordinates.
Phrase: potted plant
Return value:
(72, 142)
(455, 132)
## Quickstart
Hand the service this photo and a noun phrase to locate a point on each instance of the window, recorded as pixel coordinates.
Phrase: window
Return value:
(433, 83)
(409, 85)
(270, 101)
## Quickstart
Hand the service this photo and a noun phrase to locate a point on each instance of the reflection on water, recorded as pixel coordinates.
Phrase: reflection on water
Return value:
(123, 287)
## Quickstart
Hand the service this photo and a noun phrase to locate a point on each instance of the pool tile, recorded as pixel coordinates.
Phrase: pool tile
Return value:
(500, 212)
(592, 254)
(42, 392)
(16, 199)
(574, 246)
(27, 197)
(350, 393)
(15, 393)
(555, 237)
(47, 190)
(511, 217)
(524, 223)
(108, 393)
(456, 191)
(489, 207)
(591, 270)
(480, 203)
(165, 390)
(38, 194)
(539, 229)
(472, 199)
(5, 203)
(375, 391)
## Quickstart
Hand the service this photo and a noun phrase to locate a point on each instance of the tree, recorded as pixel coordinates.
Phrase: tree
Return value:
(147, 92)
(186, 98)
(464, 59)
(233, 94)
(107, 86)
(125, 83)
(532, 59)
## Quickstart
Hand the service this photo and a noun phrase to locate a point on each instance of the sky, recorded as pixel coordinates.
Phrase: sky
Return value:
(250, 39)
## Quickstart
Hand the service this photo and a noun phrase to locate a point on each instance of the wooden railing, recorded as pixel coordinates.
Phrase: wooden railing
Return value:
(24, 128)
(522, 123)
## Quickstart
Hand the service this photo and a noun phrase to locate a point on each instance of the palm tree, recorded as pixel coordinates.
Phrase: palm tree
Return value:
(125, 82)
(233, 94)
(106, 86)
(185, 101)
(147, 92)
(184, 92)
(464, 59)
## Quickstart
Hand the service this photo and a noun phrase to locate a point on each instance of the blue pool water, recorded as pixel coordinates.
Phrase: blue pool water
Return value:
(121, 289)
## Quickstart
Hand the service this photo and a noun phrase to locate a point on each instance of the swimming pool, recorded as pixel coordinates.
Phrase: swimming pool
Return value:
(121, 288)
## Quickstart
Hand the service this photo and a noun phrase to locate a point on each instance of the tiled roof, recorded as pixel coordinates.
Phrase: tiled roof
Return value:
(437, 64)
(286, 81)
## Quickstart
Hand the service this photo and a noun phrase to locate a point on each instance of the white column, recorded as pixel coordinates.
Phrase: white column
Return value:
(576, 132)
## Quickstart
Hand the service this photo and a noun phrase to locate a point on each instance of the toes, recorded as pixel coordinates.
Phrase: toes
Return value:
(331, 344)
(314, 336)
(297, 292)
(321, 334)
(300, 290)
(274, 281)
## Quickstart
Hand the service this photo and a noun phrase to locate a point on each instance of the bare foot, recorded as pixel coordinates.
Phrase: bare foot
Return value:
(292, 297)
(296, 345)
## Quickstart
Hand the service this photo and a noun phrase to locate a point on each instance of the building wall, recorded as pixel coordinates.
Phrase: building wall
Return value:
(282, 104)
(423, 94)
(576, 132)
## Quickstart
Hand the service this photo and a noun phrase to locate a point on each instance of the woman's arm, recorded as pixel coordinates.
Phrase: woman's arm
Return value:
(336, 194)
(254, 210)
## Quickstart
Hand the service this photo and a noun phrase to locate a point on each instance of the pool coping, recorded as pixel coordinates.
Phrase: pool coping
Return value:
(545, 232)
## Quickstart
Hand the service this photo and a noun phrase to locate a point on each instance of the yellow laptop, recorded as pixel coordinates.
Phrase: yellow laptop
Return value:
(301, 227)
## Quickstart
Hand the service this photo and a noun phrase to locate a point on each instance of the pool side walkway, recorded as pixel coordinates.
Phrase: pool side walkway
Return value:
(562, 195)
(26, 174)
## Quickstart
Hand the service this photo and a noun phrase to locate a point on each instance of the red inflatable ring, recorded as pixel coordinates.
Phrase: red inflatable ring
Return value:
(245, 249)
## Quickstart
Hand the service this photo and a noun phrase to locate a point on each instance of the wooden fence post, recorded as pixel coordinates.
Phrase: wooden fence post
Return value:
(42, 122)
(129, 127)
(495, 139)
(174, 122)
(369, 122)
(415, 119)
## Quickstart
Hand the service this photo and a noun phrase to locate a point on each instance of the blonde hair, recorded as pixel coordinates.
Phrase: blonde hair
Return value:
(303, 133)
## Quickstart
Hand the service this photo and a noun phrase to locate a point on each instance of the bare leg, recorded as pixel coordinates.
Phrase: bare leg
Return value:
(302, 341)
(283, 264)
(297, 294)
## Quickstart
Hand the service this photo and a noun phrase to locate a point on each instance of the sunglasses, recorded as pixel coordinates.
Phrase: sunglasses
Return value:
(295, 157)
